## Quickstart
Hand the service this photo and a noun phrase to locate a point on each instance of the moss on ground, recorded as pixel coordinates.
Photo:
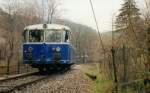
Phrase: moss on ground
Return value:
(101, 84)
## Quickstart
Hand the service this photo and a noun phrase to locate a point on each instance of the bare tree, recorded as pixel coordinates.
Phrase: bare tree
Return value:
(52, 10)
(44, 11)
(9, 26)
(147, 12)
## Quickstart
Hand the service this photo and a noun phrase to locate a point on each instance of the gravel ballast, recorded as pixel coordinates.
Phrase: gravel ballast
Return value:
(73, 81)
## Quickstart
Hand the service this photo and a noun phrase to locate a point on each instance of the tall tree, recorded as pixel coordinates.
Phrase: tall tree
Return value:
(52, 10)
(129, 24)
(129, 15)
(9, 22)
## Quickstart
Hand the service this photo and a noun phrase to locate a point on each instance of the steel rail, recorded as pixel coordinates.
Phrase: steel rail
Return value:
(17, 76)
(12, 87)
(20, 86)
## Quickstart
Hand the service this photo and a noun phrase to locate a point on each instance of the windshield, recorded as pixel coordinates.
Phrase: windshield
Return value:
(54, 36)
(46, 36)
(36, 36)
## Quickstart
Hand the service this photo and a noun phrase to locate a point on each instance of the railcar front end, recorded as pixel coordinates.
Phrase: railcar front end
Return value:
(48, 46)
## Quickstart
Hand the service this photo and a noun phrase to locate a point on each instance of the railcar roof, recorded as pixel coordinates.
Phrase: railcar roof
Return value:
(49, 26)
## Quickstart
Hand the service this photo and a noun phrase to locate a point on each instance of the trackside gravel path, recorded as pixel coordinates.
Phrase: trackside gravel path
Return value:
(73, 81)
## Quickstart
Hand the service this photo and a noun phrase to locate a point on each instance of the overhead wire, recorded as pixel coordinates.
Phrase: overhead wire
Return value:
(100, 36)
(119, 38)
(43, 11)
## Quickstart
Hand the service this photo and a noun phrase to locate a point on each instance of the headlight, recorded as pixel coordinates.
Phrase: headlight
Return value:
(30, 49)
(53, 49)
(58, 49)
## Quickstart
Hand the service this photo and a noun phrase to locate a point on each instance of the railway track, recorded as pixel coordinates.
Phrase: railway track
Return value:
(8, 85)
(17, 76)
(19, 82)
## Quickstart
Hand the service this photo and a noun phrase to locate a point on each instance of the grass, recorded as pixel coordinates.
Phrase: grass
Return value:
(100, 85)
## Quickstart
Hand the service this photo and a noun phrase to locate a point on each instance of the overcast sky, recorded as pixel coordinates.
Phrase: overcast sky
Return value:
(80, 11)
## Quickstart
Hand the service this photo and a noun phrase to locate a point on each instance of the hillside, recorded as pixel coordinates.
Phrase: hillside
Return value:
(84, 38)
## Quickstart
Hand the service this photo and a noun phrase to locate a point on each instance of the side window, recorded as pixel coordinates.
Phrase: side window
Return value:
(66, 36)
(24, 34)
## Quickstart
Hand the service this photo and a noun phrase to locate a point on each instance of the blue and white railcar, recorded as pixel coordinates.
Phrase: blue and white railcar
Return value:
(47, 46)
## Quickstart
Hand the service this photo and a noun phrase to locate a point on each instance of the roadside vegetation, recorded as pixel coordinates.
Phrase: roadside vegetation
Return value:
(100, 84)
(125, 65)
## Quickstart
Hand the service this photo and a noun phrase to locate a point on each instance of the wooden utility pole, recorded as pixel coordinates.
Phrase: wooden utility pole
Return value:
(115, 70)
(113, 61)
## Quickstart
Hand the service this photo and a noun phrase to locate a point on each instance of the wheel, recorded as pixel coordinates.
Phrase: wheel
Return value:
(41, 69)
(49, 69)
(59, 68)
(66, 67)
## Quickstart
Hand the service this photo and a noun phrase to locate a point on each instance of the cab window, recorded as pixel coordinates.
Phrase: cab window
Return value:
(36, 36)
(54, 36)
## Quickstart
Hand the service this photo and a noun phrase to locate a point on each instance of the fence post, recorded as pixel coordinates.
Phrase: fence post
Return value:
(8, 65)
(147, 84)
(125, 68)
(148, 48)
(27, 68)
(18, 67)
(147, 80)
